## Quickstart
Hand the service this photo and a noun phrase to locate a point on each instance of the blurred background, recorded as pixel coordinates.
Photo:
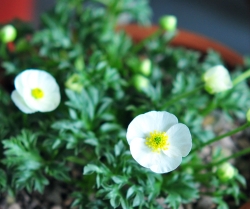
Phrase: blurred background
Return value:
(226, 21)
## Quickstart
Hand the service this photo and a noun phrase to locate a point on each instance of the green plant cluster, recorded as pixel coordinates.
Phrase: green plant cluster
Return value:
(103, 87)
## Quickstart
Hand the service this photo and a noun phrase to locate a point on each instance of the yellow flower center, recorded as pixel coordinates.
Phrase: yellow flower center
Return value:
(37, 93)
(157, 141)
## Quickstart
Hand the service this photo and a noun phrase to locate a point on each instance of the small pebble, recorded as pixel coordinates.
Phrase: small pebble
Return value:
(14, 206)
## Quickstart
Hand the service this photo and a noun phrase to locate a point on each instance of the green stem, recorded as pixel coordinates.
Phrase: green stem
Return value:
(222, 136)
(235, 155)
(3, 51)
(226, 159)
(210, 107)
(241, 77)
(76, 160)
(181, 96)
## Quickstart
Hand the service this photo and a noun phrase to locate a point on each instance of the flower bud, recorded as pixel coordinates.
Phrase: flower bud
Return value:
(217, 79)
(140, 82)
(168, 22)
(145, 67)
(8, 33)
(74, 83)
(79, 64)
(226, 172)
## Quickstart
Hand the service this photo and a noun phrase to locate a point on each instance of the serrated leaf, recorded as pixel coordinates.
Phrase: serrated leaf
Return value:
(181, 189)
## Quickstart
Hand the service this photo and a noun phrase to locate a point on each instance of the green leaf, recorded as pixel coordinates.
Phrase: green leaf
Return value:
(180, 189)
(94, 168)
(138, 199)
(3, 180)
(91, 168)
(174, 200)
(109, 127)
(119, 179)
(220, 202)
(131, 191)
(119, 148)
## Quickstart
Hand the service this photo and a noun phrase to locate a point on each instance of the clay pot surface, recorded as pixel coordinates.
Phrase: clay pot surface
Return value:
(186, 39)
(11, 9)
(245, 206)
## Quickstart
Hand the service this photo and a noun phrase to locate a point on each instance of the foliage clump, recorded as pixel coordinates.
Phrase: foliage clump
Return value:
(103, 87)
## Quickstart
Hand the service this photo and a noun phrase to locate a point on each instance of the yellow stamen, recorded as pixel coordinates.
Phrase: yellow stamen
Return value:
(37, 93)
(157, 141)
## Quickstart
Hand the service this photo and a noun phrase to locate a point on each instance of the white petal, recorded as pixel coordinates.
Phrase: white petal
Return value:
(141, 152)
(172, 152)
(180, 138)
(49, 80)
(30, 79)
(49, 102)
(157, 162)
(143, 124)
(164, 164)
(217, 79)
(34, 78)
(20, 103)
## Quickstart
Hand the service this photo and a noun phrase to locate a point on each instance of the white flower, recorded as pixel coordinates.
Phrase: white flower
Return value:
(217, 79)
(36, 90)
(158, 142)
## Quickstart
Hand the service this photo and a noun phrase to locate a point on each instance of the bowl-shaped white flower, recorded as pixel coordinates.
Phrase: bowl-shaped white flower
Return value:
(217, 79)
(158, 142)
(36, 90)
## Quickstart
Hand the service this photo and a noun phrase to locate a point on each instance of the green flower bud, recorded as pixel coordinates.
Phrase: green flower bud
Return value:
(140, 82)
(226, 172)
(145, 67)
(8, 33)
(217, 79)
(74, 83)
(79, 64)
(168, 22)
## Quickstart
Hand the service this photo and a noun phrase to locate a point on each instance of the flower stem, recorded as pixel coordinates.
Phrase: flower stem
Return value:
(244, 126)
(3, 52)
(76, 160)
(181, 96)
(241, 77)
(235, 155)
(210, 107)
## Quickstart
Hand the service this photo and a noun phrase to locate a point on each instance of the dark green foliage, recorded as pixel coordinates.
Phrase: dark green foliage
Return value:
(94, 65)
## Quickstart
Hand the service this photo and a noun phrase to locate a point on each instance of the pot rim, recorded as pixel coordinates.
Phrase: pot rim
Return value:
(186, 39)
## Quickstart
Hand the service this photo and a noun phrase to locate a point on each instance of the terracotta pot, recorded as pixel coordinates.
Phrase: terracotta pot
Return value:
(245, 206)
(187, 39)
(11, 9)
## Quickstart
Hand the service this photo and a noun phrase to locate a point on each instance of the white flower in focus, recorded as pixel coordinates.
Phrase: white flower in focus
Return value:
(217, 79)
(158, 142)
(36, 90)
